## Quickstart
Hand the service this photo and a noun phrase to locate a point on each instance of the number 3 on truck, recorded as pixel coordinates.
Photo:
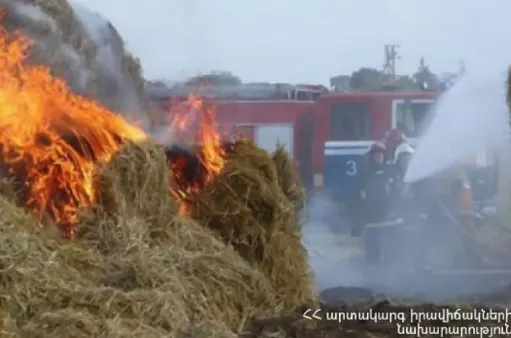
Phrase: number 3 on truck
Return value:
(351, 168)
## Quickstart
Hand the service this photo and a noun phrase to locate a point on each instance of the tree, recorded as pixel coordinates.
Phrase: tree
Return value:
(368, 79)
(424, 78)
(214, 78)
(406, 83)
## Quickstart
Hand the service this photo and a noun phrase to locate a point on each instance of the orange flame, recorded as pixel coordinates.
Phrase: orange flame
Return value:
(51, 138)
(193, 122)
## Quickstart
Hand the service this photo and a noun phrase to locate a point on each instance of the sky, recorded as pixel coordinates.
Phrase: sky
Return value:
(299, 41)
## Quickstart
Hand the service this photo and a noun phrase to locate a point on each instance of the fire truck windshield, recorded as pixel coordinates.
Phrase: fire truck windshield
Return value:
(410, 116)
(350, 122)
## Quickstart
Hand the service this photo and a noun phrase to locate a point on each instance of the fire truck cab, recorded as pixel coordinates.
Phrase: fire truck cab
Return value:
(351, 122)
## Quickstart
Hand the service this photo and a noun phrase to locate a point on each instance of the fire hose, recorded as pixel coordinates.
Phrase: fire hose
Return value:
(471, 241)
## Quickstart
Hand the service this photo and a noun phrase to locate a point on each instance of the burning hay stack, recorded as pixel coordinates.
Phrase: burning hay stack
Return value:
(137, 268)
(100, 238)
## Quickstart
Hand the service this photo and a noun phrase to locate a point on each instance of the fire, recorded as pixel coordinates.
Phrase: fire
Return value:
(193, 123)
(50, 138)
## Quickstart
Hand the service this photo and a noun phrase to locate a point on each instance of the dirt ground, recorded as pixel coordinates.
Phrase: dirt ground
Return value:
(465, 290)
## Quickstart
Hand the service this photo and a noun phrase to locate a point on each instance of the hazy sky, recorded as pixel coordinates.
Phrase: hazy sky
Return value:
(308, 41)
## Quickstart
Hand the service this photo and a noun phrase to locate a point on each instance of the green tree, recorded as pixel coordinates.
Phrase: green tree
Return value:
(425, 78)
(214, 78)
(368, 79)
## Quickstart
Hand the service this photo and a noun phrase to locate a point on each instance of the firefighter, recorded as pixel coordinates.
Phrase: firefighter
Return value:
(404, 196)
(402, 157)
(375, 190)
(392, 139)
(375, 184)
(459, 207)
(460, 200)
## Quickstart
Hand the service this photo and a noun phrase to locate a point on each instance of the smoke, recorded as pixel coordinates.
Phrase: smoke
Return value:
(332, 253)
(85, 50)
(470, 117)
(110, 57)
(49, 47)
(338, 259)
(427, 263)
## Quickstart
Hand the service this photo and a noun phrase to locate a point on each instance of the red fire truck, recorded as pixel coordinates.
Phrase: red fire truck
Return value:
(327, 133)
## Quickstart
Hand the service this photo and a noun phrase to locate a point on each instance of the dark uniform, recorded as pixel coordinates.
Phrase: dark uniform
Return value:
(375, 192)
(375, 196)
(371, 201)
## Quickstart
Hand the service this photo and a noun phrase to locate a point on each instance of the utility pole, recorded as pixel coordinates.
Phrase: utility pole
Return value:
(391, 55)
(462, 70)
(422, 65)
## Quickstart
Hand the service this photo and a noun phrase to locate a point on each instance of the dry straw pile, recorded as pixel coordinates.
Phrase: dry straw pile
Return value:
(138, 269)
(250, 209)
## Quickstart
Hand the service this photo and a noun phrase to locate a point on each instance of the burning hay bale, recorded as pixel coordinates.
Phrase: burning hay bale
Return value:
(246, 206)
(135, 267)
(136, 182)
(120, 277)
(51, 143)
(134, 185)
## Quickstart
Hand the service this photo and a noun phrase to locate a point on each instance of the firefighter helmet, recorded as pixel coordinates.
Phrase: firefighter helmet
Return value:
(395, 136)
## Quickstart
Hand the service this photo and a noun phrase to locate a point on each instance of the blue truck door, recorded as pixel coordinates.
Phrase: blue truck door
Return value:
(344, 161)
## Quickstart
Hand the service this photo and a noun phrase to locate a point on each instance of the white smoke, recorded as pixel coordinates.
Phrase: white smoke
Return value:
(108, 44)
(469, 117)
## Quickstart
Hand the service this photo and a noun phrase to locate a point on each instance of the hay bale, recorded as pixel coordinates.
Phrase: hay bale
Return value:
(247, 208)
(135, 181)
(121, 278)
(288, 178)
(184, 283)
(83, 48)
(133, 198)
(39, 273)
(161, 265)
(246, 154)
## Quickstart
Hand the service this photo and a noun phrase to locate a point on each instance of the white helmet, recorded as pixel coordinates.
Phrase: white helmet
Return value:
(403, 148)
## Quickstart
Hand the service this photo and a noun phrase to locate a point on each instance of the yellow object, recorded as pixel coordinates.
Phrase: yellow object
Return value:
(462, 202)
